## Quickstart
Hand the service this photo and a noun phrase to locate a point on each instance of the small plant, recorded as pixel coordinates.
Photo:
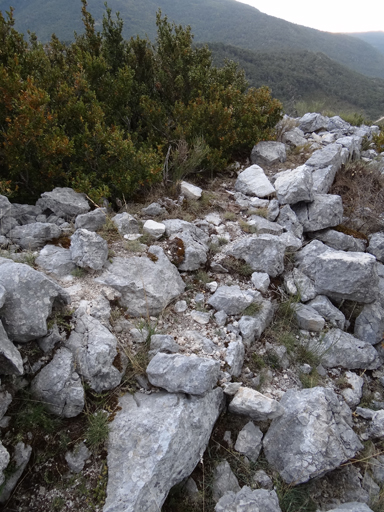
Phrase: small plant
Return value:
(261, 212)
(237, 266)
(222, 240)
(33, 415)
(247, 228)
(257, 361)
(79, 272)
(253, 309)
(147, 239)
(97, 430)
(134, 246)
(310, 380)
(202, 277)
(295, 499)
(58, 503)
(231, 216)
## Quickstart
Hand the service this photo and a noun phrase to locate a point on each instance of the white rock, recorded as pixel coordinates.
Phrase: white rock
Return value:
(190, 191)
(153, 228)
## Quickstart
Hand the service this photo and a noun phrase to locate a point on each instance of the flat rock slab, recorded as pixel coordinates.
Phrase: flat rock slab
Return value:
(29, 300)
(34, 236)
(249, 402)
(183, 374)
(312, 437)
(253, 182)
(155, 442)
(231, 299)
(248, 500)
(147, 284)
(64, 202)
(56, 260)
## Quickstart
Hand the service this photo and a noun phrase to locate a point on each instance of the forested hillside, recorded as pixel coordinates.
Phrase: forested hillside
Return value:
(376, 39)
(225, 21)
(307, 76)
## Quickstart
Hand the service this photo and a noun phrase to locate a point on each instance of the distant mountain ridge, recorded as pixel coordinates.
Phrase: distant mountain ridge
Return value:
(376, 39)
(225, 21)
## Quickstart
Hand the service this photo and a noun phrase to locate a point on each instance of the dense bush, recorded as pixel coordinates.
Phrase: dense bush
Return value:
(103, 115)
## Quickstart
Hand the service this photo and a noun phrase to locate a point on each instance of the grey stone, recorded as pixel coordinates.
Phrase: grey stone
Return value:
(155, 229)
(59, 386)
(230, 299)
(48, 342)
(91, 221)
(249, 402)
(339, 348)
(260, 281)
(353, 393)
(376, 246)
(376, 429)
(264, 253)
(288, 219)
(88, 249)
(76, 459)
(56, 260)
(294, 185)
(3, 241)
(191, 490)
(221, 318)
(249, 441)
(292, 244)
(247, 500)
(273, 210)
(126, 223)
(308, 318)
(4, 461)
(153, 210)
(94, 350)
(20, 459)
(304, 285)
(262, 480)
(312, 122)
(193, 242)
(199, 341)
(5, 206)
(369, 325)
(327, 310)
(6, 224)
(253, 182)
(190, 191)
(11, 362)
(101, 309)
(377, 467)
(263, 226)
(324, 212)
(5, 402)
(353, 506)
(155, 442)
(163, 343)
(64, 202)
(294, 137)
(34, 236)
(29, 300)
(319, 437)
(370, 486)
(339, 274)
(234, 357)
(232, 388)
(223, 481)
(180, 306)
(365, 413)
(268, 153)
(339, 241)
(337, 123)
(252, 327)
(186, 374)
(200, 317)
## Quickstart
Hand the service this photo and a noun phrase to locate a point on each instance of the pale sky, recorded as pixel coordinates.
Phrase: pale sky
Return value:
(328, 15)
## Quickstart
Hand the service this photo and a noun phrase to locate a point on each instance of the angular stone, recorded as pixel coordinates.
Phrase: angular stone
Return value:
(234, 357)
(262, 480)
(324, 212)
(76, 459)
(263, 226)
(273, 210)
(294, 185)
(11, 362)
(369, 325)
(253, 182)
(249, 441)
(318, 439)
(88, 249)
(20, 460)
(190, 191)
(292, 244)
(339, 348)
(312, 122)
(126, 224)
(59, 386)
(353, 506)
(247, 500)
(5, 206)
(328, 311)
(252, 327)
(56, 260)
(91, 221)
(268, 153)
(221, 318)
(4, 461)
(340, 241)
(288, 219)
(231, 299)
(94, 349)
(155, 229)
(308, 318)
(294, 137)
(354, 391)
(6, 224)
(264, 253)
(153, 210)
(29, 300)
(304, 285)
(64, 202)
(249, 402)
(223, 481)
(191, 243)
(34, 236)
(260, 281)
(200, 317)
(47, 343)
(155, 442)
(163, 343)
(338, 124)
(376, 246)
(376, 429)
(146, 285)
(5, 402)
(183, 374)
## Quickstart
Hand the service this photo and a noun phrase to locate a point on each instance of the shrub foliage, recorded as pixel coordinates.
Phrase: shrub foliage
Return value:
(102, 114)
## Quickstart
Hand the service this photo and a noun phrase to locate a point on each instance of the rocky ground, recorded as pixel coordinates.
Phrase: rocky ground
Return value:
(197, 352)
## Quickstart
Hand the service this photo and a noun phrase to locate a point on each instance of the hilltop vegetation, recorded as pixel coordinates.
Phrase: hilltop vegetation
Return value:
(109, 117)
(225, 21)
(376, 39)
(307, 77)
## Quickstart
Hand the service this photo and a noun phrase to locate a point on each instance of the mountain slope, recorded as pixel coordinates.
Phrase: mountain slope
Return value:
(308, 76)
(224, 21)
(376, 39)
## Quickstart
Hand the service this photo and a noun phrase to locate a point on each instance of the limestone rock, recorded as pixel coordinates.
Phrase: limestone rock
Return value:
(268, 153)
(56, 260)
(308, 318)
(155, 442)
(5, 206)
(328, 311)
(376, 246)
(190, 191)
(339, 241)
(126, 224)
(294, 185)
(252, 327)
(4, 461)
(249, 402)
(369, 325)
(324, 212)
(231, 299)
(234, 357)
(260, 281)
(34, 236)
(11, 362)
(376, 429)
(319, 437)
(253, 182)
(88, 249)
(263, 226)
(247, 500)
(288, 219)
(191, 243)
(294, 137)
(312, 122)
(223, 481)
(249, 441)
(155, 229)
(92, 221)
(64, 202)
(353, 393)
(20, 459)
(76, 459)
(354, 506)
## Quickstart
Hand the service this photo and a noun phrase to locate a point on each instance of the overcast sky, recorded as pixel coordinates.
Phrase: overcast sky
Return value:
(328, 15)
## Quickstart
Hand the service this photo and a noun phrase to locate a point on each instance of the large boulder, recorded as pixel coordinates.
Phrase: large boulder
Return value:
(29, 300)
(88, 249)
(155, 442)
(325, 211)
(58, 385)
(339, 241)
(319, 437)
(34, 236)
(268, 153)
(183, 374)
(369, 325)
(147, 284)
(92, 221)
(312, 122)
(253, 182)
(64, 202)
